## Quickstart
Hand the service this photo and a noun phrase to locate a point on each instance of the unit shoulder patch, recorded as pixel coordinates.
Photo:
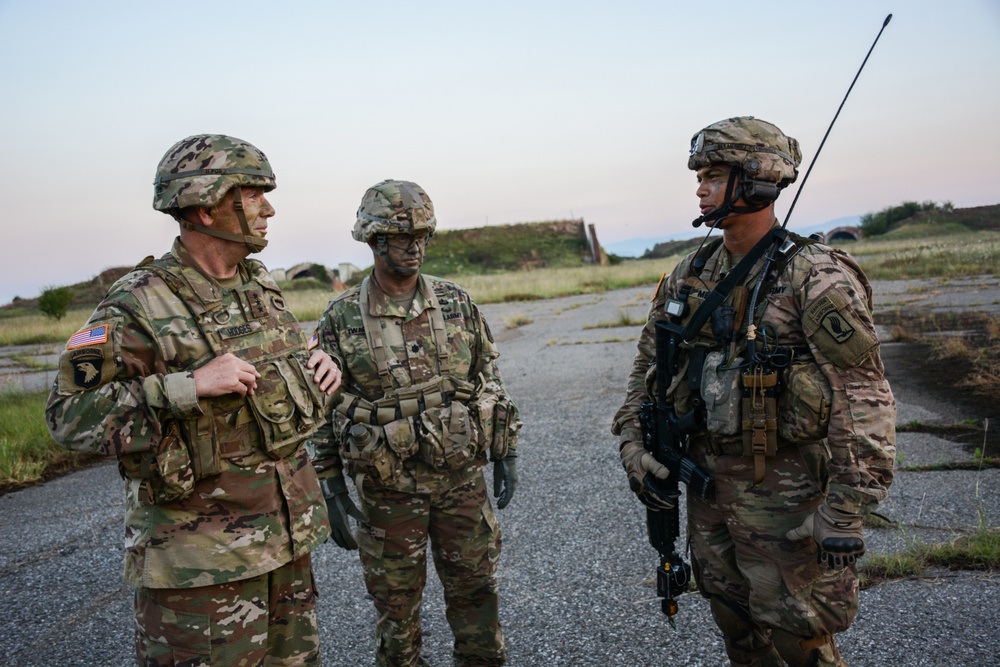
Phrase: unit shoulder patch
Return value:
(835, 327)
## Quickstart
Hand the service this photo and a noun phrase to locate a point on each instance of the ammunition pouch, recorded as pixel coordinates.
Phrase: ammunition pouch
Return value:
(287, 405)
(434, 421)
(447, 436)
(804, 405)
(719, 390)
(497, 419)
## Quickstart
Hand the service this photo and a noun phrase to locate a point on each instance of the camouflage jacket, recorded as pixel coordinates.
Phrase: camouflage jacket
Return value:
(217, 489)
(820, 307)
(413, 359)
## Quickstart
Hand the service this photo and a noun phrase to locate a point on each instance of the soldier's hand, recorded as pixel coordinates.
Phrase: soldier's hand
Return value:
(327, 374)
(223, 375)
(340, 506)
(644, 475)
(840, 536)
(504, 480)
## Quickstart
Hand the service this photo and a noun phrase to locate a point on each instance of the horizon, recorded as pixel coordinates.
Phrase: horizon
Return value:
(503, 114)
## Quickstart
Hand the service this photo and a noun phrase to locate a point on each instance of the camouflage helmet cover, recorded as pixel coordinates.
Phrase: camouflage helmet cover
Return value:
(200, 170)
(764, 152)
(394, 207)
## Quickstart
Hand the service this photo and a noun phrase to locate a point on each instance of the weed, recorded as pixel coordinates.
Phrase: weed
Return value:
(517, 320)
(624, 320)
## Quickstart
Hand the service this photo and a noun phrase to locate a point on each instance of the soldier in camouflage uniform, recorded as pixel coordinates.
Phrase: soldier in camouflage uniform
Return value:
(193, 372)
(423, 405)
(796, 419)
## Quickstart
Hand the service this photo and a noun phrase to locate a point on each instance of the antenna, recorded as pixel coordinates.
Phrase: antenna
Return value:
(813, 162)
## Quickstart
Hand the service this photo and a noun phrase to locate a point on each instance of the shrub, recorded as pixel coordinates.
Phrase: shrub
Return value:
(55, 301)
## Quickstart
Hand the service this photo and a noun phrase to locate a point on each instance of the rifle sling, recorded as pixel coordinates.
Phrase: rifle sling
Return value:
(733, 278)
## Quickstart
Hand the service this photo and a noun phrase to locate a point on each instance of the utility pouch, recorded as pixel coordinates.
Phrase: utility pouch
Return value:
(166, 476)
(287, 405)
(401, 436)
(720, 387)
(760, 422)
(505, 427)
(804, 405)
(447, 437)
(365, 451)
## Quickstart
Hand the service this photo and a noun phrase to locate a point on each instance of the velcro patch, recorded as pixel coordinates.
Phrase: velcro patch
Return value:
(834, 326)
(93, 336)
(88, 360)
(87, 365)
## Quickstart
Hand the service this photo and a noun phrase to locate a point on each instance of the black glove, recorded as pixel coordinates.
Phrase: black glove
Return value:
(504, 480)
(645, 477)
(339, 506)
(840, 537)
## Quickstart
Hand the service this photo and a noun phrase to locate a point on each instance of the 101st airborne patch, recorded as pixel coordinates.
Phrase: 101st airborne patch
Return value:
(87, 365)
(84, 362)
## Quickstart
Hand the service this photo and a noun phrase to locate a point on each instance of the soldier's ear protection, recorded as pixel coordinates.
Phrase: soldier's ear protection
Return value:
(757, 193)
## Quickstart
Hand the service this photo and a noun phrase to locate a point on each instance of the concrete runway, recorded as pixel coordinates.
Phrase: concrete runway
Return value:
(576, 571)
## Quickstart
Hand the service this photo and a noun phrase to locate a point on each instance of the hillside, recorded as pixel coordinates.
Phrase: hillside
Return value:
(554, 243)
(976, 218)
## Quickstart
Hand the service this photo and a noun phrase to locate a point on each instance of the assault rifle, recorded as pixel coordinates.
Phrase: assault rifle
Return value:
(665, 434)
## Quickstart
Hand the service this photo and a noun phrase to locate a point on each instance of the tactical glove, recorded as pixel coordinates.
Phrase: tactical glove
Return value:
(339, 506)
(504, 480)
(644, 475)
(840, 537)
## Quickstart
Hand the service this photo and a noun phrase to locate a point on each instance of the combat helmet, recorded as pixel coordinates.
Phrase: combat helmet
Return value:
(394, 207)
(759, 148)
(201, 169)
(763, 160)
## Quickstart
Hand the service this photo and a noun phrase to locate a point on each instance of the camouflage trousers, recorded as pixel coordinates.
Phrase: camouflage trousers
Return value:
(266, 620)
(740, 553)
(465, 544)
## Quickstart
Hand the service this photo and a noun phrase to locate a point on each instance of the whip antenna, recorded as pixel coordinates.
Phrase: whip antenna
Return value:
(813, 162)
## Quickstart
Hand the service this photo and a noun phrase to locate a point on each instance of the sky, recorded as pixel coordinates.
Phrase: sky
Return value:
(504, 112)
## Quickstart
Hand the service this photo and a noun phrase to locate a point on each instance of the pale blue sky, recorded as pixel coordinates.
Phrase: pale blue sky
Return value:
(503, 112)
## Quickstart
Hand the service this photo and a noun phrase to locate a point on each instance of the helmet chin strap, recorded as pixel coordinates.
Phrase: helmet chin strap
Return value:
(734, 191)
(254, 244)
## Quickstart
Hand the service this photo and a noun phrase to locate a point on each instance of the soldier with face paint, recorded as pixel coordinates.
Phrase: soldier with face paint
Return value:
(423, 406)
(792, 414)
(195, 375)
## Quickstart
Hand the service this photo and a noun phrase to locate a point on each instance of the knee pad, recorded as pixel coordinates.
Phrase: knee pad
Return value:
(806, 651)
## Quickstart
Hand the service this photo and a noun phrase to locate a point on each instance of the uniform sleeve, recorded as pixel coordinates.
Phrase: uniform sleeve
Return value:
(324, 450)
(626, 420)
(838, 325)
(113, 392)
(485, 365)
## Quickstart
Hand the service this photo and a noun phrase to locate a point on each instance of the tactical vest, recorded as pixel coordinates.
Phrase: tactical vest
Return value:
(743, 402)
(253, 323)
(444, 422)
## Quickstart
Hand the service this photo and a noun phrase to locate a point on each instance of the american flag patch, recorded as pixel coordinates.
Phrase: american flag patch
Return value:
(92, 336)
(313, 341)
